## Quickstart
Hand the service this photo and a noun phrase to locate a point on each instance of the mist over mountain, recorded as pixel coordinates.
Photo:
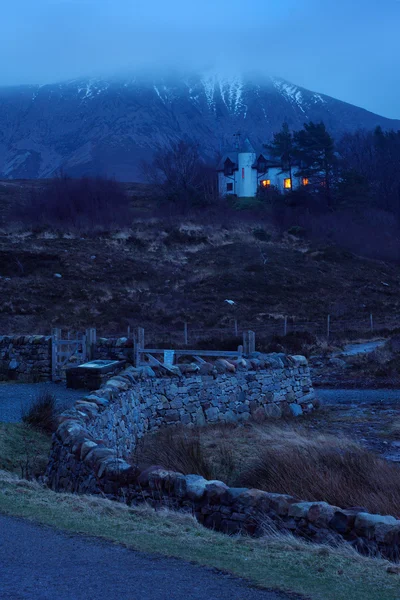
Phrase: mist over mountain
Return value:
(109, 125)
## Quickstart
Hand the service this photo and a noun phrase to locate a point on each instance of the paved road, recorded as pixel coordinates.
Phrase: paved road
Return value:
(39, 563)
(17, 397)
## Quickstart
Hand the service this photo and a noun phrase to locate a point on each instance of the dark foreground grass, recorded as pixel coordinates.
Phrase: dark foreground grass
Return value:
(318, 572)
(23, 449)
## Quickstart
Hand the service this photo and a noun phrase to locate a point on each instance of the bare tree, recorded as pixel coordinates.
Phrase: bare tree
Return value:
(181, 175)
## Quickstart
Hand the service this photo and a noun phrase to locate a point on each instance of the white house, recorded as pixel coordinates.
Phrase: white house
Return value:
(243, 171)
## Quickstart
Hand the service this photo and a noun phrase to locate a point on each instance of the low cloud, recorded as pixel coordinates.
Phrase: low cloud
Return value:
(348, 50)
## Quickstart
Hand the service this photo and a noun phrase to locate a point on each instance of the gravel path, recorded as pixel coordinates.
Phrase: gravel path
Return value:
(39, 563)
(17, 397)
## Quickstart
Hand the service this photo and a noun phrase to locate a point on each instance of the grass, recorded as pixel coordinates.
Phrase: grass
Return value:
(169, 283)
(42, 413)
(272, 562)
(283, 458)
(23, 449)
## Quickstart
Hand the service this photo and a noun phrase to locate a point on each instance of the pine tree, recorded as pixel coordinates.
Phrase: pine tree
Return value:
(282, 148)
(315, 150)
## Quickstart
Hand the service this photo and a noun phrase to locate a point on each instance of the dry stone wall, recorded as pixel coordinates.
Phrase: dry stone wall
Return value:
(196, 399)
(114, 349)
(25, 358)
(84, 460)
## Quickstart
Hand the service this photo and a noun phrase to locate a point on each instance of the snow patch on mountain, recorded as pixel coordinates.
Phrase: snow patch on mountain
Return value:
(318, 98)
(290, 91)
(230, 90)
(92, 88)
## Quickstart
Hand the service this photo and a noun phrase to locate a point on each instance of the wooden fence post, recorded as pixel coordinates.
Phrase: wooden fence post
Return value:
(328, 327)
(90, 339)
(84, 347)
(285, 326)
(185, 333)
(245, 343)
(139, 346)
(236, 328)
(371, 322)
(55, 336)
(93, 345)
(252, 342)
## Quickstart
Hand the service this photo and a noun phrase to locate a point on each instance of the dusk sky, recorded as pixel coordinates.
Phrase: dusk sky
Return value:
(349, 49)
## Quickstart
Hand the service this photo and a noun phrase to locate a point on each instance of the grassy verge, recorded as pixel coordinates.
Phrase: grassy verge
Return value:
(23, 449)
(280, 563)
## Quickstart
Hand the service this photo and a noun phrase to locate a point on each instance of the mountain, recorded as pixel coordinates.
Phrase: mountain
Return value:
(107, 126)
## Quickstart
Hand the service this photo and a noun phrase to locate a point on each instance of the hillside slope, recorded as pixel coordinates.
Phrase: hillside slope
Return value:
(110, 126)
(159, 274)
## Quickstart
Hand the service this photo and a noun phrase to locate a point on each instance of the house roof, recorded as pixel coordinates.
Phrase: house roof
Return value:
(270, 160)
(232, 156)
(247, 146)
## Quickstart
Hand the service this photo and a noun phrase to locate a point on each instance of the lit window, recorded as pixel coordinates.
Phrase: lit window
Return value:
(229, 187)
(305, 181)
(266, 182)
(287, 183)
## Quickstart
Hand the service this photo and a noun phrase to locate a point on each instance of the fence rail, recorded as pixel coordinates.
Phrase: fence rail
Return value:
(329, 328)
(81, 346)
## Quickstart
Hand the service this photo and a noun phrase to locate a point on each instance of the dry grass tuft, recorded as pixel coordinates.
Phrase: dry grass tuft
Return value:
(188, 451)
(323, 468)
(281, 458)
(42, 414)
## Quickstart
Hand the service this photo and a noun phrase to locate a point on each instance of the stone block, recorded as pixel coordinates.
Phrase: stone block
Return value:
(200, 419)
(273, 411)
(295, 410)
(365, 523)
(195, 487)
(214, 490)
(212, 414)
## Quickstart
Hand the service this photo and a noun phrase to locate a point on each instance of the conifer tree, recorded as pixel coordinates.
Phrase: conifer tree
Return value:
(282, 148)
(315, 150)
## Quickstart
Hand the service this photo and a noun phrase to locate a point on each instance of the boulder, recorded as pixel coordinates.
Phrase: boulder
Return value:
(214, 490)
(273, 411)
(146, 474)
(365, 523)
(189, 369)
(298, 361)
(273, 361)
(299, 510)
(199, 418)
(259, 415)
(295, 410)
(195, 487)
(321, 513)
(212, 413)
(224, 366)
(207, 369)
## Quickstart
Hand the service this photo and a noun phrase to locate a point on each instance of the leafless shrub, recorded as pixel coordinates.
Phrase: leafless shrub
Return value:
(42, 413)
(85, 204)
